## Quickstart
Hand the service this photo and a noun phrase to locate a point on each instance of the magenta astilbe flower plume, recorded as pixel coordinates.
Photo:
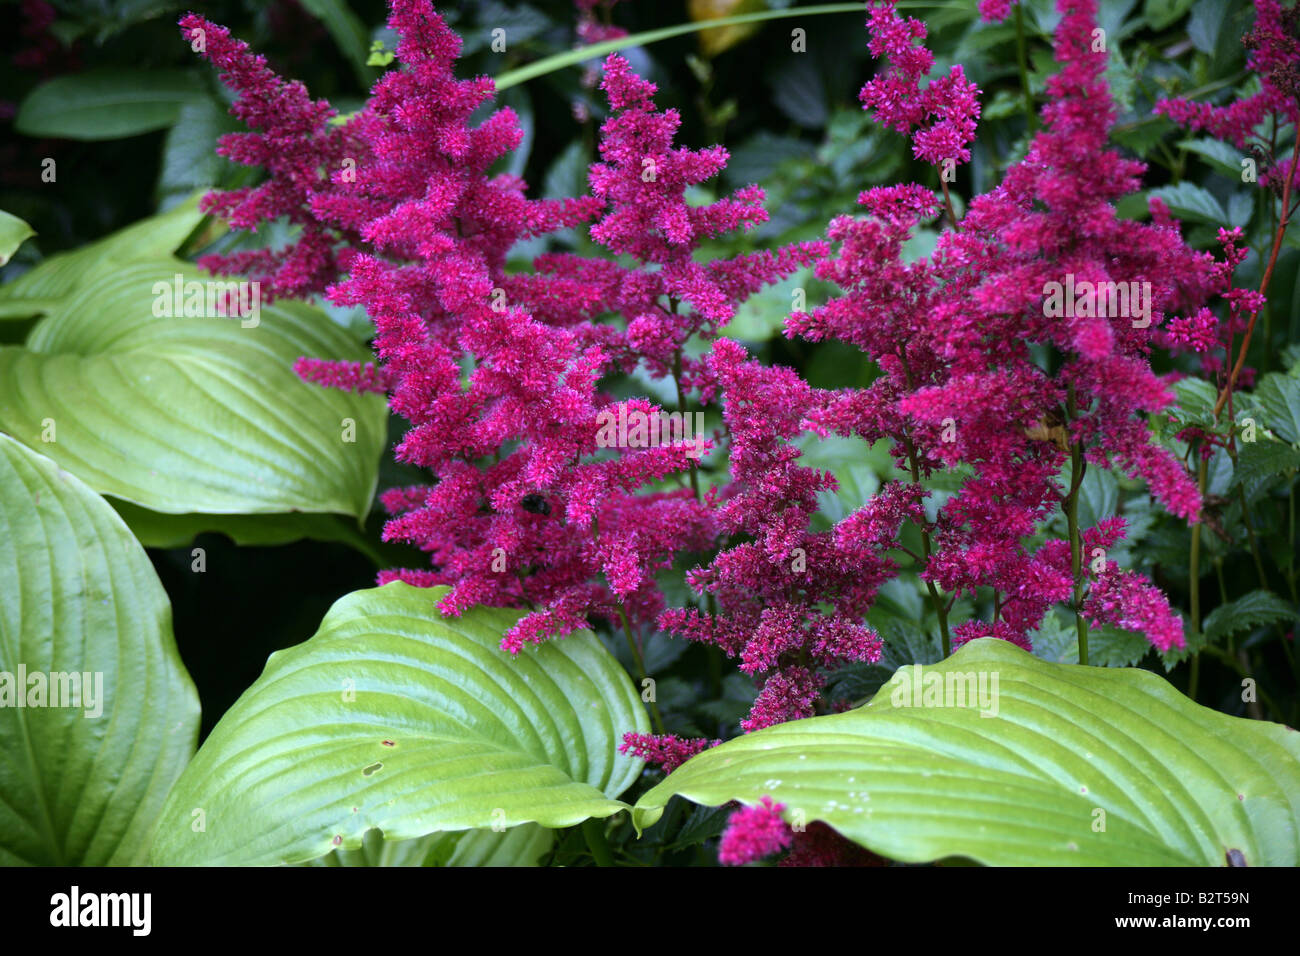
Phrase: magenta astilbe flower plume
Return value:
(960, 386)
(943, 115)
(665, 751)
(772, 592)
(529, 507)
(753, 833)
(536, 501)
(292, 138)
(667, 297)
(995, 11)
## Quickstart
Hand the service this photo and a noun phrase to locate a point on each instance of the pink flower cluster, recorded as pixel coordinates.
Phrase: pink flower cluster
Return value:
(941, 117)
(665, 751)
(753, 833)
(499, 373)
(959, 388)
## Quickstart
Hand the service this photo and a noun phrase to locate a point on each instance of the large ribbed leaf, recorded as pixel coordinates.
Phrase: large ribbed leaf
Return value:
(182, 414)
(1075, 765)
(518, 846)
(395, 718)
(78, 595)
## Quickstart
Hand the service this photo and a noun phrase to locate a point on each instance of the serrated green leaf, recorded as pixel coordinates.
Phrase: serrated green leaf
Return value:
(1098, 496)
(393, 717)
(1057, 640)
(82, 785)
(1262, 460)
(1219, 155)
(1189, 201)
(1177, 784)
(1246, 613)
(1194, 401)
(567, 175)
(1111, 647)
(1279, 399)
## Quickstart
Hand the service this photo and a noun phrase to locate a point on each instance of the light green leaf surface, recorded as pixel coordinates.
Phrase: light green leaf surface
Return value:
(82, 785)
(1070, 749)
(13, 233)
(518, 846)
(392, 717)
(182, 413)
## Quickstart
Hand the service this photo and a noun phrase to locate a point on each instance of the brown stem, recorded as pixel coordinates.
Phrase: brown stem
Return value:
(1268, 275)
(947, 201)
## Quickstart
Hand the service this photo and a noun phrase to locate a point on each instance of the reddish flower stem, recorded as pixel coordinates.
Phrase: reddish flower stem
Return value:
(1268, 276)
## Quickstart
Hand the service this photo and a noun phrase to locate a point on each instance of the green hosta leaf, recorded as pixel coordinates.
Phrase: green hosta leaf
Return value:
(518, 846)
(107, 104)
(13, 233)
(183, 414)
(1246, 613)
(1178, 784)
(83, 785)
(41, 289)
(395, 718)
(190, 160)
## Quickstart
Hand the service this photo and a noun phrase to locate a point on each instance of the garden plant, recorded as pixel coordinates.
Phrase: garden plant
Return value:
(633, 434)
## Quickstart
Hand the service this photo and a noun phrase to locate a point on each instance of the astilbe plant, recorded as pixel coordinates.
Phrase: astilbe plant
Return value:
(526, 510)
(501, 373)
